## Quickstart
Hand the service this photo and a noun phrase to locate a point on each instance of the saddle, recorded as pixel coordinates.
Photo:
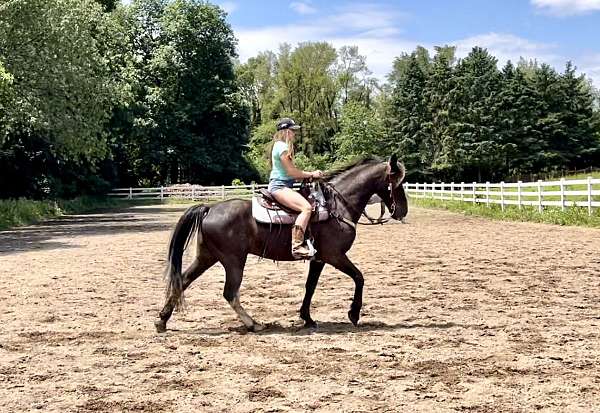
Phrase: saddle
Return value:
(267, 210)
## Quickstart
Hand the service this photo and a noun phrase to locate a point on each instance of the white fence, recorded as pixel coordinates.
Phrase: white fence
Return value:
(191, 192)
(563, 193)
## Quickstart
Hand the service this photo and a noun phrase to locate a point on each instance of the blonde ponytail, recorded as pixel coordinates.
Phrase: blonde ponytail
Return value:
(281, 135)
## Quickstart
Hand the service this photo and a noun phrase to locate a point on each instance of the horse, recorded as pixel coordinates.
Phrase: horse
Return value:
(227, 233)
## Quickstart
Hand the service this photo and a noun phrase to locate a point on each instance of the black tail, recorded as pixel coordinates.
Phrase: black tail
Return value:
(188, 224)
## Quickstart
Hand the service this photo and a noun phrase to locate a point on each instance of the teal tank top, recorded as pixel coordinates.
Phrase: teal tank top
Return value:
(278, 171)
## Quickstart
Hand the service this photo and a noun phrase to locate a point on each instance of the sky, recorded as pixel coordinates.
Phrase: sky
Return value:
(551, 31)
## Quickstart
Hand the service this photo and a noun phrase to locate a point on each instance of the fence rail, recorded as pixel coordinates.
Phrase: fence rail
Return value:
(191, 192)
(562, 193)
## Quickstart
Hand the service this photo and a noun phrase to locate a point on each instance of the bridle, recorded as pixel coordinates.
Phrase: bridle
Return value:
(378, 221)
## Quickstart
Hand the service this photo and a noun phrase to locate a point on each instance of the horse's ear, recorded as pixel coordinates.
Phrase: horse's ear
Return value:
(394, 164)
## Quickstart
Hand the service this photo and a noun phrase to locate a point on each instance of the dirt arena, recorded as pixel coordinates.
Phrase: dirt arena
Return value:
(460, 314)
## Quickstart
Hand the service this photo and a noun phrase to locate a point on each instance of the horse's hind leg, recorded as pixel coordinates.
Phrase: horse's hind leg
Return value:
(233, 280)
(203, 261)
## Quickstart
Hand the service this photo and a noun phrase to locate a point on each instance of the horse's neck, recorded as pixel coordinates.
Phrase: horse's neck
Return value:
(356, 190)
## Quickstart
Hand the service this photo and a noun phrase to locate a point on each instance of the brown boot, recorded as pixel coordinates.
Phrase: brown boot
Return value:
(300, 250)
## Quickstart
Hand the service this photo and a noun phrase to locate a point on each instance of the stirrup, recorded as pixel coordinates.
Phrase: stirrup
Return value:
(308, 255)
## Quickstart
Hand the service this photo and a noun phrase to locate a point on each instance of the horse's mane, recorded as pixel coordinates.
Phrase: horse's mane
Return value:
(362, 160)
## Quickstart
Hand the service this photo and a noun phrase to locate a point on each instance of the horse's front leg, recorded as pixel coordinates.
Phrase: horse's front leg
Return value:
(344, 264)
(314, 272)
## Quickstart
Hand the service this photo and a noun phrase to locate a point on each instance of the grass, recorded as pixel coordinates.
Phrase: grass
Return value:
(18, 212)
(571, 216)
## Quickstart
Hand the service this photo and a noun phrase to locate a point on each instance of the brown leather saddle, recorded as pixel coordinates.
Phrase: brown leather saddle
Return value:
(267, 210)
(267, 201)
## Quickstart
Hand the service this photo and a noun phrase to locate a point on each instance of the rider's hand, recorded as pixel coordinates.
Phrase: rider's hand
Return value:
(317, 174)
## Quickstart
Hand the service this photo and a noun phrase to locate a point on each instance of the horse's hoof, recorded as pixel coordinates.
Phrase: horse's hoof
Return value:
(354, 317)
(311, 324)
(256, 327)
(160, 325)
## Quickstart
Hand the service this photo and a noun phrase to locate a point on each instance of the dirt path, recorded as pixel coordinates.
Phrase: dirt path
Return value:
(461, 314)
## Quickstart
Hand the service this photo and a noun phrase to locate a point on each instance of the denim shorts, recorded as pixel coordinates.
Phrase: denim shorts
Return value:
(276, 184)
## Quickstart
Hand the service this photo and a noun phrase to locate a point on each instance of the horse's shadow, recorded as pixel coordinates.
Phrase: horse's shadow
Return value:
(337, 327)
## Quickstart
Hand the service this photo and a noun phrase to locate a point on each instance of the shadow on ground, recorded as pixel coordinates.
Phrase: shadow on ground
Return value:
(50, 234)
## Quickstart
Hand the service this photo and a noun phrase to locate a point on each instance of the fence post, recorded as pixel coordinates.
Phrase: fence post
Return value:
(474, 193)
(487, 193)
(433, 190)
(130, 193)
(161, 193)
(222, 191)
(193, 192)
(253, 189)
(424, 189)
(452, 191)
(540, 198)
(519, 194)
(589, 191)
(502, 195)
(562, 194)
(462, 191)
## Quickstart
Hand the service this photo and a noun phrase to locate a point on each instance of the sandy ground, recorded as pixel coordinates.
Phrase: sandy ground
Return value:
(460, 314)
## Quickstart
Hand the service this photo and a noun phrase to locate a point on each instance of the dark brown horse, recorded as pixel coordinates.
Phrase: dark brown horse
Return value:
(227, 233)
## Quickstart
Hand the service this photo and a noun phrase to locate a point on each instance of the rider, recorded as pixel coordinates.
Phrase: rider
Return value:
(281, 180)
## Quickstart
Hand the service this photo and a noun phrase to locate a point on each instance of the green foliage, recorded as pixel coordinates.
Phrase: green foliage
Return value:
(362, 132)
(319, 161)
(6, 97)
(408, 111)
(190, 122)
(52, 48)
(17, 212)
(95, 94)
(470, 121)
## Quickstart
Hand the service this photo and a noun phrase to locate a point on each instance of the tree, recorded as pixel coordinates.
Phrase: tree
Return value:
(257, 82)
(353, 76)
(191, 122)
(408, 114)
(308, 92)
(518, 111)
(65, 89)
(477, 151)
(6, 81)
(55, 52)
(108, 5)
(438, 142)
(362, 132)
(579, 145)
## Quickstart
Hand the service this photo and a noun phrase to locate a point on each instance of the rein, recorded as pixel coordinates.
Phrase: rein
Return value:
(378, 221)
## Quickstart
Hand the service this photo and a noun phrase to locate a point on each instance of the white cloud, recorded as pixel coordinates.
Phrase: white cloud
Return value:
(302, 7)
(377, 31)
(567, 7)
(590, 65)
(505, 46)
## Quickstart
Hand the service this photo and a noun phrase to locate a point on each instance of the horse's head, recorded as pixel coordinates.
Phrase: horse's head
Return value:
(392, 194)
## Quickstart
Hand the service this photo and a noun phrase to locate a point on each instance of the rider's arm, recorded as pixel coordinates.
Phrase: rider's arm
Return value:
(291, 169)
